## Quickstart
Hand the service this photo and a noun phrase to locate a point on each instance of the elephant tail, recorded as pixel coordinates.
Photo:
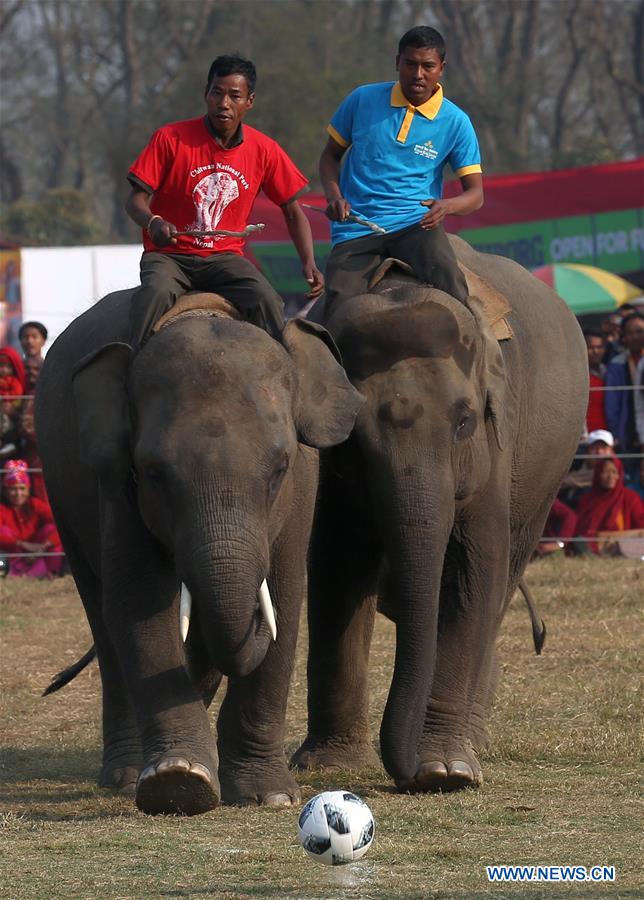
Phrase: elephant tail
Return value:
(538, 625)
(62, 678)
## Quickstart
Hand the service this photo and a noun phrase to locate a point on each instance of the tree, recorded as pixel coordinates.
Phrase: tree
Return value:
(60, 218)
(548, 83)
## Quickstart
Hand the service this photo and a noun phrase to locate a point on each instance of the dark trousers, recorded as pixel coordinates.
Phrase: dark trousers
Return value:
(351, 264)
(166, 276)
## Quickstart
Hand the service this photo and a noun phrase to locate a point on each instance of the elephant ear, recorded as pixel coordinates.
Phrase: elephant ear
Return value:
(494, 374)
(100, 401)
(326, 404)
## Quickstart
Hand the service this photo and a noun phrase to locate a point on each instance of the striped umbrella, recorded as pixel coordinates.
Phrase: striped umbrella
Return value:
(587, 289)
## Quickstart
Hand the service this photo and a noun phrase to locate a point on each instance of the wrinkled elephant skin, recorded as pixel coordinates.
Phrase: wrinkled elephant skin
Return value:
(192, 462)
(435, 505)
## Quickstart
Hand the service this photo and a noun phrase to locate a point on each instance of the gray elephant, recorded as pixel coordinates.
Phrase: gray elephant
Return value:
(435, 505)
(190, 462)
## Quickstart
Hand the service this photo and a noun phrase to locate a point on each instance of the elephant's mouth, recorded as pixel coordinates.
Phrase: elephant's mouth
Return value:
(252, 648)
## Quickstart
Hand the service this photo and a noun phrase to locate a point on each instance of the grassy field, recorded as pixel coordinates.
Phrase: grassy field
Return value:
(563, 780)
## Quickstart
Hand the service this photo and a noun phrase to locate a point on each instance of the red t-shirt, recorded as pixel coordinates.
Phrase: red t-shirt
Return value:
(200, 186)
(595, 417)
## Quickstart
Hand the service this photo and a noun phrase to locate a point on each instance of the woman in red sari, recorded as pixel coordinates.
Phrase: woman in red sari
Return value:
(12, 374)
(12, 385)
(26, 431)
(609, 506)
(27, 526)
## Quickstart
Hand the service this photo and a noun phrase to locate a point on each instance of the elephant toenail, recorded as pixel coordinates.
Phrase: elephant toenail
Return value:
(127, 790)
(124, 779)
(277, 799)
(461, 769)
(201, 772)
(148, 772)
(432, 769)
(173, 762)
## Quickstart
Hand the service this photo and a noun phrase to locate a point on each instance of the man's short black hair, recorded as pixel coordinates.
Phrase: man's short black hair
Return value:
(425, 38)
(233, 64)
(630, 318)
(37, 325)
(594, 333)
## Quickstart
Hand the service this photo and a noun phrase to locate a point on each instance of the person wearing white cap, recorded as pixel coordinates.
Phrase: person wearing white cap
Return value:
(599, 443)
(600, 436)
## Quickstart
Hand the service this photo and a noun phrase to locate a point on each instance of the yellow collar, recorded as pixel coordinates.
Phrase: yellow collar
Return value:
(429, 108)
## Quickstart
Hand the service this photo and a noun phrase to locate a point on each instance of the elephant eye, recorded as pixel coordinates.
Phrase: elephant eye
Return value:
(153, 472)
(277, 477)
(465, 427)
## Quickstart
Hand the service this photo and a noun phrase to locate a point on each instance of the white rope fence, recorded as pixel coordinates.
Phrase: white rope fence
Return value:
(595, 539)
(26, 555)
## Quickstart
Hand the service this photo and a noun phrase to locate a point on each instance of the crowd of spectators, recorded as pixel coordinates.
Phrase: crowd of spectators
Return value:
(602, 496)
(29, 542)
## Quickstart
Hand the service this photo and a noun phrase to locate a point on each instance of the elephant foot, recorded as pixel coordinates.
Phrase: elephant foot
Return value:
(334, 755)
(121, 779)
(256, 785)
(445, 770)
(176, 787)
(122, 760)
(478, 733)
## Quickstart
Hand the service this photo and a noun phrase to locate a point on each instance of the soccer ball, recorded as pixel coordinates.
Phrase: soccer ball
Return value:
(336, 828)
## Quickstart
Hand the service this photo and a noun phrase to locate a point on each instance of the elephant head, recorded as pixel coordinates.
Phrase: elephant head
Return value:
(203, 432)
(428, 437)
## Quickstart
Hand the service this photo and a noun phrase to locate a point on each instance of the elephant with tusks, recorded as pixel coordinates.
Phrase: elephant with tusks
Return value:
(183, 481)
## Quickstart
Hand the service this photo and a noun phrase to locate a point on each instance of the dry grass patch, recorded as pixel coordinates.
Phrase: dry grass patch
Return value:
(562, 780)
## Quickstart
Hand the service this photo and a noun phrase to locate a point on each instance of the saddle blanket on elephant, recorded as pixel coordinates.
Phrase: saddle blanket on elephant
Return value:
(198, 303)
(496, 305)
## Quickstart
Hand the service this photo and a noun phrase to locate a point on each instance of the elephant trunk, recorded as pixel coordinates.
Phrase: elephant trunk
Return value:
(225, 581)
(415, 540)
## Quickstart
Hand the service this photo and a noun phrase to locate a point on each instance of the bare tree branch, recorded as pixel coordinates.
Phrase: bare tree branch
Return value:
(8, 10)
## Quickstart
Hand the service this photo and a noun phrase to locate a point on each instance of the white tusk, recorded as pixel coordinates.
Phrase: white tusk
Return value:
(185, 606)
(266, 606)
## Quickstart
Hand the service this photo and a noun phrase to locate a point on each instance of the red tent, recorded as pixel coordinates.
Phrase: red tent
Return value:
(522, 197)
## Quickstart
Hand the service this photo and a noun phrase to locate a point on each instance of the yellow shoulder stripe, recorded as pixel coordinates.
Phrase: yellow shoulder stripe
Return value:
(468, 170)
(337, 137)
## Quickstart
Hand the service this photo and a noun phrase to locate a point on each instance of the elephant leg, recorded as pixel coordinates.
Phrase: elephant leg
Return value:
(343, 569)
(122, 758)
(522, 545)
(140, 599)
(204, 676)
(250, 728)
(250, 733)
(475, 582)
(483, 699)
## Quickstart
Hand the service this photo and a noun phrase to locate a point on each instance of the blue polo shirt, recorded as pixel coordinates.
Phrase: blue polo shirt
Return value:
(397, 153)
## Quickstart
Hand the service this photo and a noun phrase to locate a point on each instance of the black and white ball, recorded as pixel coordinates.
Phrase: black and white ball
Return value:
(336, 828)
